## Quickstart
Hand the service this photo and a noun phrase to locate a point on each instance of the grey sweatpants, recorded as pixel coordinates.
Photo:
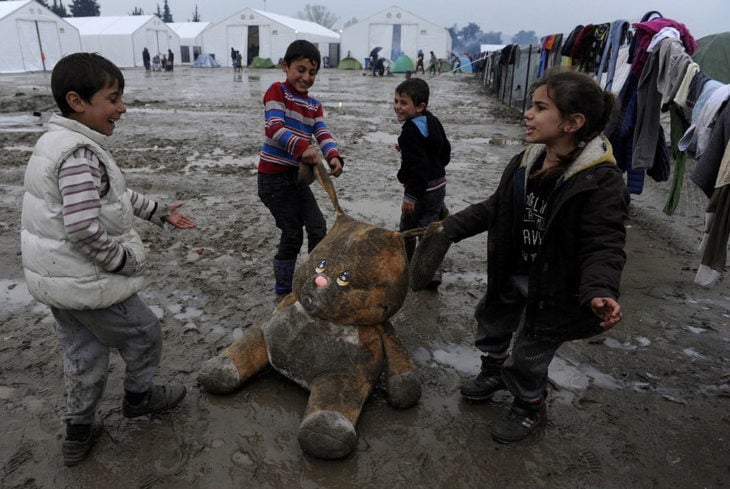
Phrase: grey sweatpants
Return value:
(86, 337)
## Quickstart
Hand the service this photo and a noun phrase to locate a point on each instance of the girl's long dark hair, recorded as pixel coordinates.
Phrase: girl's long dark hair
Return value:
(574, 92)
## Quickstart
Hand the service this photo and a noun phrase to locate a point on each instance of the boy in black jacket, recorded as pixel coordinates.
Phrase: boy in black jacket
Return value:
(425, 151)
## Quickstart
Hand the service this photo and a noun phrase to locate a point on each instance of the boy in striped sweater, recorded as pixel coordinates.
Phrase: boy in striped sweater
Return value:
(82, 256)
(292, 119)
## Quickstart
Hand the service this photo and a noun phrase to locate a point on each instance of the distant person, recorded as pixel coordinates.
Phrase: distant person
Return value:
(555, 253)
(82, 256)
(233, 56)
(146, 59)
(239, 61)
(419, 62)
(163, 62)
(425, 151)
(170, 60)
(433, 64)
(374, 61)
(292, 118)
(156, 62)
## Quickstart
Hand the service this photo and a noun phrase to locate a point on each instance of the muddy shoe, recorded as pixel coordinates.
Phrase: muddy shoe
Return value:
(159, 398)
(489, 381)
(522, 419)
(80, 439)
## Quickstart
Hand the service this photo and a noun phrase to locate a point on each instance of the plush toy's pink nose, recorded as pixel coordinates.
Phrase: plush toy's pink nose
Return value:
(321, 281)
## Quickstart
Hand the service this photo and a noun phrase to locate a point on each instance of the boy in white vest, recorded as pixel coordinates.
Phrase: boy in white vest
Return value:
(82, 256)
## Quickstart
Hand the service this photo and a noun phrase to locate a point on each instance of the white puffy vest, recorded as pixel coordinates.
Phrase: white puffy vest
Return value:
(56, 272)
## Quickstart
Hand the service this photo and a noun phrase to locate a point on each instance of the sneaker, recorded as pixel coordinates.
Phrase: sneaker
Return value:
(75, 451)
(489, 381)
(158, 399)
(522, 419)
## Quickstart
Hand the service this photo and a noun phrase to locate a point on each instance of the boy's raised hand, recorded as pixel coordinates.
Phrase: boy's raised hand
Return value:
(178, 219)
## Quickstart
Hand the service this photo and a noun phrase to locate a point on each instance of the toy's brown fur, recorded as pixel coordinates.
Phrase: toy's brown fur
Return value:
(332, 334)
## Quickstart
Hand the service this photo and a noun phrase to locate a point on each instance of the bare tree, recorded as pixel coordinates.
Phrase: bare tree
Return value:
(318, 14)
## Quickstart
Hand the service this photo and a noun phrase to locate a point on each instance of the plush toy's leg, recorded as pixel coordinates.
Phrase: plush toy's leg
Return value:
(403, 384)
(233, 366)
(335, 402)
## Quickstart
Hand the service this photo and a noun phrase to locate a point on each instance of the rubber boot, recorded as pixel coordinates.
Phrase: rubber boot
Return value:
(283, 274)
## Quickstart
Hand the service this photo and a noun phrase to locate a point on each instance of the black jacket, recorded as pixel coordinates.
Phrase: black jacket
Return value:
(582, 254)
(423, 159)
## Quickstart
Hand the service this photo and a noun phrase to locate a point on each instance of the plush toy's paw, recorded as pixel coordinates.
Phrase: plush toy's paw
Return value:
(219, 375)
(404, 390)
(327, 434)
(429, 254)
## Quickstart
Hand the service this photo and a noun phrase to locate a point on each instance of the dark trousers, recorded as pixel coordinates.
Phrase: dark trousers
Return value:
(428, 209)
(294, 209)
(526, 370)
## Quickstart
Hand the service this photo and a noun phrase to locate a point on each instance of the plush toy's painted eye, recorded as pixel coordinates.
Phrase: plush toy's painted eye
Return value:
(321, 267)
(343, 279)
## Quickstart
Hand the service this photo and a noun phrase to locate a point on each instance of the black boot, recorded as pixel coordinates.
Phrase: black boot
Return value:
(521, 420)
(283, 273)
(489, 381)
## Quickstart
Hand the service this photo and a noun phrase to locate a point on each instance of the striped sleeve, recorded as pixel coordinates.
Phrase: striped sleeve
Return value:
(324, 136)
(82, 179)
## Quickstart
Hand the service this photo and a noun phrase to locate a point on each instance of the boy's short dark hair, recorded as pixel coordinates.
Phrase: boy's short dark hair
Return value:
(301, 49)
(416, 89)
(85, 74)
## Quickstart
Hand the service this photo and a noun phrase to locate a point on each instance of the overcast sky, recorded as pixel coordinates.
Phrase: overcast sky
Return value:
(702, 17)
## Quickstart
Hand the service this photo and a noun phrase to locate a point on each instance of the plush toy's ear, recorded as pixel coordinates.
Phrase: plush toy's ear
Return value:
(429, 254)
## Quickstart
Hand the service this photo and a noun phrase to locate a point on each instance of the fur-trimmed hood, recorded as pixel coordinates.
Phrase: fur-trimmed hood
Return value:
(597, 150)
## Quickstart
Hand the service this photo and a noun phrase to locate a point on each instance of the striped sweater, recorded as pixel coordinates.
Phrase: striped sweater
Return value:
(292, 119)
(83, 182)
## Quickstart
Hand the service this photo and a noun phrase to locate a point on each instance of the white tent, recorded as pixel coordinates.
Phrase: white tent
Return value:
(191, 39)
(267, 35)
(121, 39)
(33, 37)
(397, 32)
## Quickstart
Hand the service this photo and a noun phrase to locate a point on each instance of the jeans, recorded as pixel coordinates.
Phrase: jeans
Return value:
(294, 209)
(525, 372)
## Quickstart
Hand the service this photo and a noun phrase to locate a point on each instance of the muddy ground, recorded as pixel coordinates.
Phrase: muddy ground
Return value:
(644, 406)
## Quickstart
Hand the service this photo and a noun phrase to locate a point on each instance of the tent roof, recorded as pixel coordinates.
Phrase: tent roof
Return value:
(713, 56)
(397, 20)
(122, 24)
(299, 25)
(7, 8)
(187, 30)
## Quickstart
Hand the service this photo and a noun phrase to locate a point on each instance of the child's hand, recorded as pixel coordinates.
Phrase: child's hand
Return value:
(177, 219)
(310, 156)
(335, 166)
(607, 309)
(407, 207)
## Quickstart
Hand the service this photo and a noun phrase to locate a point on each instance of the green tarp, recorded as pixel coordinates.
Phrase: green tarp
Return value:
(257, 62)
(403, 64)
(713, 56)
(350, 64)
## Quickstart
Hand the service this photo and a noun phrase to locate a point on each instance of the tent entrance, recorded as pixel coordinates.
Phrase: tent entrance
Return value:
(252, 44)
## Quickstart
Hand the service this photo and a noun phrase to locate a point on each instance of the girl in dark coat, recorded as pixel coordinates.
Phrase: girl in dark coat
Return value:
(555, 248)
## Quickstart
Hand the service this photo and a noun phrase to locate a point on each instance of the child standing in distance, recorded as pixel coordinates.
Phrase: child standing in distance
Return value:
(292, 118)
(556, 237)
(83, 258)
(425, 151)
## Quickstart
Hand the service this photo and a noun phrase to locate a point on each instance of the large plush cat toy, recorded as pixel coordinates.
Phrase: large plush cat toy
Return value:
(332, 334)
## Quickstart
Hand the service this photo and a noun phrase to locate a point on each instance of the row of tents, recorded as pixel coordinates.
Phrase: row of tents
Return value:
(35, 38)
